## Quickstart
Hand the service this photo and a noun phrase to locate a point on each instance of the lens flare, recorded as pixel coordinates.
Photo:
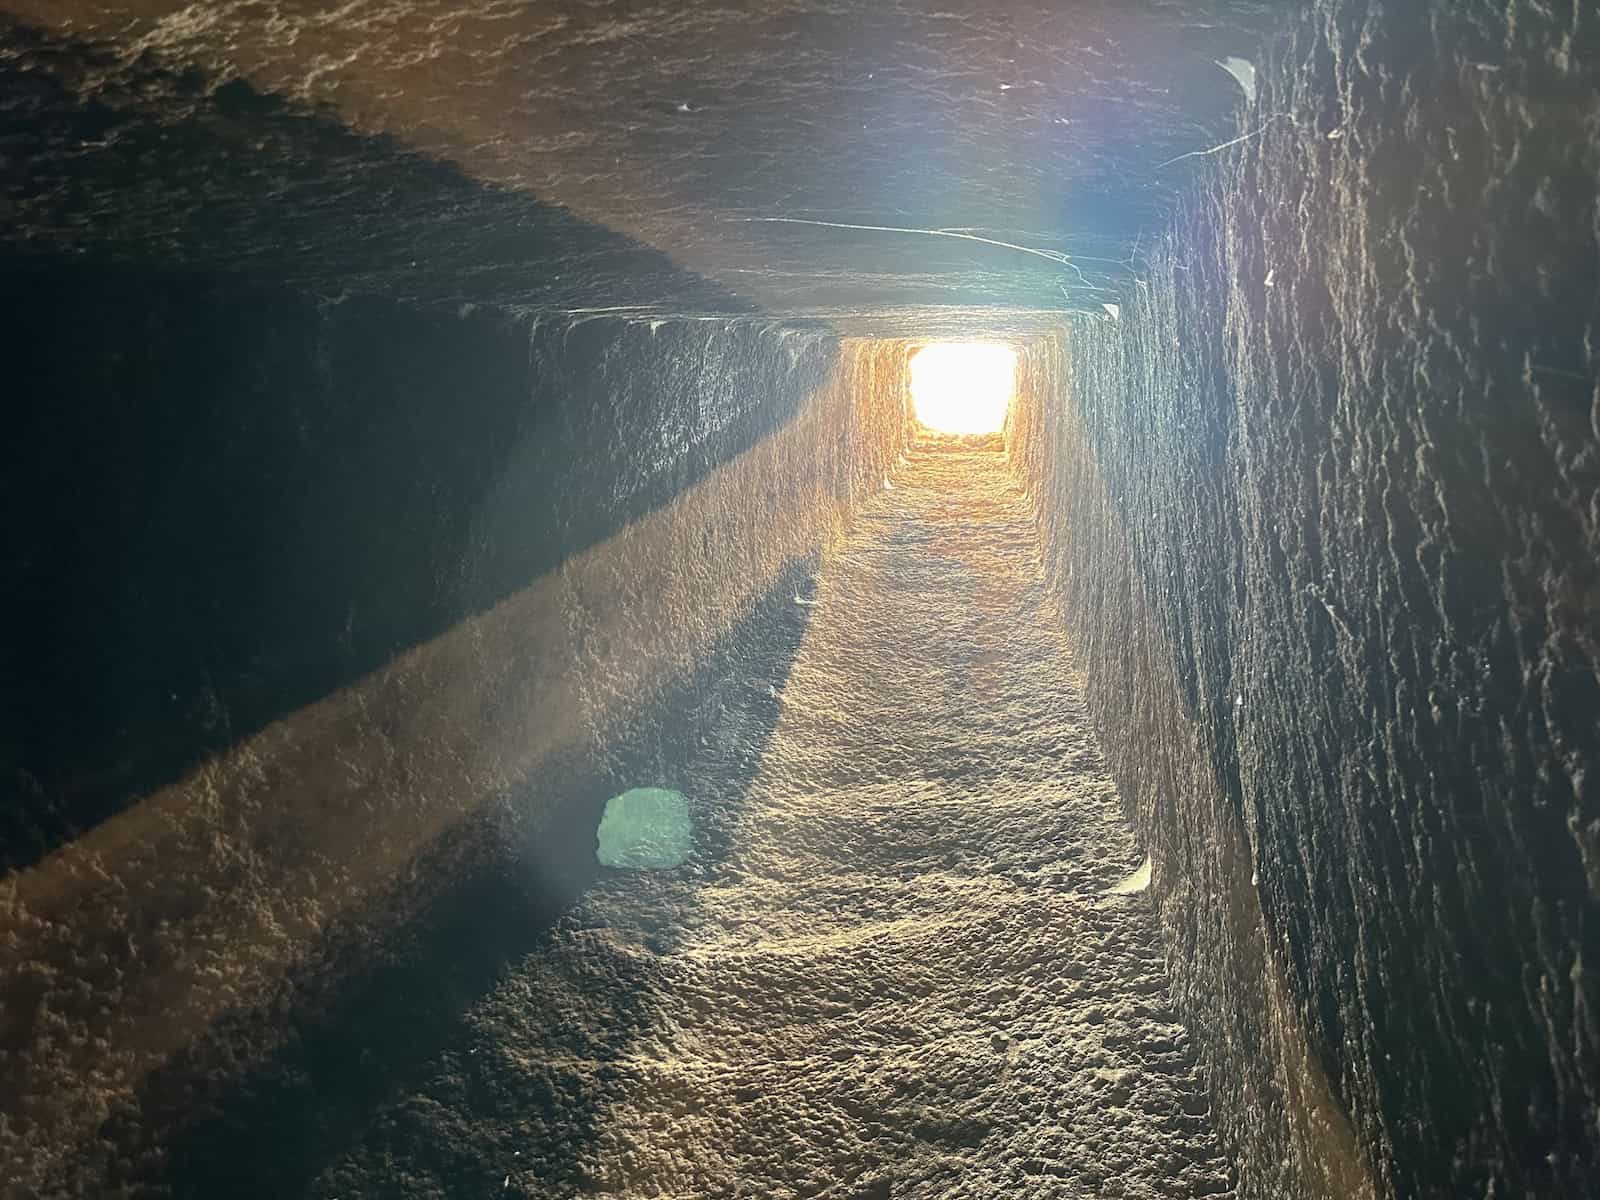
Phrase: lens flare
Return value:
(963, 387)
(645, 829)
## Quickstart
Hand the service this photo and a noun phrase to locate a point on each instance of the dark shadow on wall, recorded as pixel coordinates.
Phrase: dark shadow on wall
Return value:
(227, 497)
(342, 1083)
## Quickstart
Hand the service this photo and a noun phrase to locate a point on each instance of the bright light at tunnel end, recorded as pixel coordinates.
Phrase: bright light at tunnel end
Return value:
(963, 387)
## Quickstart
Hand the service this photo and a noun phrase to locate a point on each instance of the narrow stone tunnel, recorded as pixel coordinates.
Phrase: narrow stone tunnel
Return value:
(507, 691)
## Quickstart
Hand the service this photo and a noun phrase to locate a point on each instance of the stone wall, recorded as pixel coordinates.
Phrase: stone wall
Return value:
(1323, 501)
(1145, 663)
(309, 589)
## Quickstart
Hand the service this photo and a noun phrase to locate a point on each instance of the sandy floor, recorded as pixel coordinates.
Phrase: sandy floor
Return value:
(890, 968)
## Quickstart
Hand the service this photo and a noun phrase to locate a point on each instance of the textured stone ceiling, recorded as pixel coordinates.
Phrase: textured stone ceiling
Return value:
(668, 156)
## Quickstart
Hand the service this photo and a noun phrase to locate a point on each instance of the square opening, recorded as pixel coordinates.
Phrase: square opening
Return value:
(963, 387)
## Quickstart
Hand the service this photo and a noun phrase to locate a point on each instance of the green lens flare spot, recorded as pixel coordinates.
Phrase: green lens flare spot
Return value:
(645, 829)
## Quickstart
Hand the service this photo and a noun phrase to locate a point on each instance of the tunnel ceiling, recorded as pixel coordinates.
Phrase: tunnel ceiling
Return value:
(661, 158)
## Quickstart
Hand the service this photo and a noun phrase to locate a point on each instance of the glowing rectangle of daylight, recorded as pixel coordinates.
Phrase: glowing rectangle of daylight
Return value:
(963, 387)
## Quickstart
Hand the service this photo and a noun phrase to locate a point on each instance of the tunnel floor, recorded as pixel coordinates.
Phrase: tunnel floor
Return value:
(895, 971)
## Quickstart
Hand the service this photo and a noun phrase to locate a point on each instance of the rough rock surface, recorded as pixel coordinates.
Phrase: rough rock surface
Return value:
(158, 925)
(1325, 508)
(890, 968)
(494, 152)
